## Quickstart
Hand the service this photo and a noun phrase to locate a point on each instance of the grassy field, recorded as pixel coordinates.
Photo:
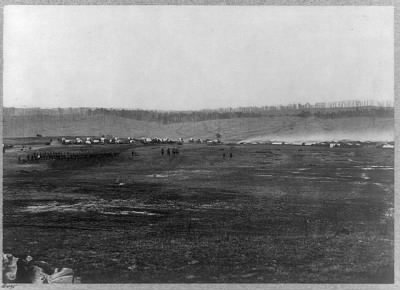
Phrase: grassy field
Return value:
(284, 128)
(269, 214)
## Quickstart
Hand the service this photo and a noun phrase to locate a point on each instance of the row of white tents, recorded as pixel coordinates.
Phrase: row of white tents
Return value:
(131, 140)
(331, 144)
(117, 140)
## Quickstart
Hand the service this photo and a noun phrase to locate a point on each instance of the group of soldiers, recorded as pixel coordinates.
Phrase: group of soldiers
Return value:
(224, 155)
(36, 156)
(174, 151)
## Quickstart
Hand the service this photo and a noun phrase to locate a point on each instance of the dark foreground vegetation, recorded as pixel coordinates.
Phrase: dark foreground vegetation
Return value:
(267, 214)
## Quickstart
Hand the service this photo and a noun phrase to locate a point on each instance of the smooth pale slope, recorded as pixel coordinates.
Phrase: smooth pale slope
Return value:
(284, 128)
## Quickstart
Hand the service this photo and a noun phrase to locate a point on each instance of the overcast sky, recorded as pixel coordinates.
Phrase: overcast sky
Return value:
(194, 57)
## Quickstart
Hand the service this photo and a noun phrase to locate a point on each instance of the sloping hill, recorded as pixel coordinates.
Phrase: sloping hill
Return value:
(284, 128)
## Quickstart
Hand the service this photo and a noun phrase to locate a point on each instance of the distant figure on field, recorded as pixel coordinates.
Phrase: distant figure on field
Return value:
(133, 153)
(223, 155)
(162, 151)
(168, 152)
(230, 155)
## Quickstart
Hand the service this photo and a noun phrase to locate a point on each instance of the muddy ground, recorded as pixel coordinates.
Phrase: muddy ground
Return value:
(269, 214)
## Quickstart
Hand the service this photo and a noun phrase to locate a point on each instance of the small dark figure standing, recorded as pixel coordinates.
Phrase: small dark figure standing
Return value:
(223, 155)
(168, 152)
(162, 151)
(133, 153)
(230, 155)
(306, 222)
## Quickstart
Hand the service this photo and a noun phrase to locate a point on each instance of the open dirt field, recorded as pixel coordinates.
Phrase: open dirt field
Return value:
(269, 214)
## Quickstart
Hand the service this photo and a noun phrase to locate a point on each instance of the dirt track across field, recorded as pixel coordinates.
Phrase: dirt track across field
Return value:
(268, 214)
